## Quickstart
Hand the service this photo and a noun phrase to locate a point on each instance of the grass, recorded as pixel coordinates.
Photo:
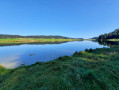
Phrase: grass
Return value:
(96, 69)
(112, 39)
(24, 40)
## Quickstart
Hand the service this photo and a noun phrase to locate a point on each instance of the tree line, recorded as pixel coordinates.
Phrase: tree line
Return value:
(38, 36)
(112, 35)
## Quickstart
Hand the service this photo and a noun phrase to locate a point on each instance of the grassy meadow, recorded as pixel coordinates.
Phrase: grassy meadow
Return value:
(31, 40)
(112, 39)
(96, 69)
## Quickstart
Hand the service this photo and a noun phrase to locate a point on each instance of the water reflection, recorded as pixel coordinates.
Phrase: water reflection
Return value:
(109, 43)
(32, 43)
(9, 62)
(14, 56)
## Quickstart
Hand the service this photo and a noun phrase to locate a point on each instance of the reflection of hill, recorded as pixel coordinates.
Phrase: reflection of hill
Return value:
(34, 43)
(109, 43)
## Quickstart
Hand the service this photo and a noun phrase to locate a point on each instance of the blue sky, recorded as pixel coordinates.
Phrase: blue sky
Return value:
(72, 18)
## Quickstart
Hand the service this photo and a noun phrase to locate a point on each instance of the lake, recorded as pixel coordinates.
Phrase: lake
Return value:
(12, 56)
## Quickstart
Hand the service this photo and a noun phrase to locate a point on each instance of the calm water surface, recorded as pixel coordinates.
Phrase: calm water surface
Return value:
(14, 56)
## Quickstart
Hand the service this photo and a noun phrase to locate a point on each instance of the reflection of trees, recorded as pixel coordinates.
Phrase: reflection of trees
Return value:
(109, 43)
(34, 43)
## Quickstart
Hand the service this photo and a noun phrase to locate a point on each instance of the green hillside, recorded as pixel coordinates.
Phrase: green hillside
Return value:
(112, 35)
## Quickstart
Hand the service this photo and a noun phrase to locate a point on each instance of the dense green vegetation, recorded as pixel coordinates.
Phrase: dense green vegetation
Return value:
(87, 70)
(112, 35)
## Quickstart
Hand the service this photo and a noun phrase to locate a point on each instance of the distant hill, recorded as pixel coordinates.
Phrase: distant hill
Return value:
(94, 38)
(33, 36)
(112, 35)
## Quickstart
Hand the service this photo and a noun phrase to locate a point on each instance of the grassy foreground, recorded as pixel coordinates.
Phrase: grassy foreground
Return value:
(87, 70)
(24, 40)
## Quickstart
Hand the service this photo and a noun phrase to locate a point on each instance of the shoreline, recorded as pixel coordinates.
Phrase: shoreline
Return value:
(89, 69)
